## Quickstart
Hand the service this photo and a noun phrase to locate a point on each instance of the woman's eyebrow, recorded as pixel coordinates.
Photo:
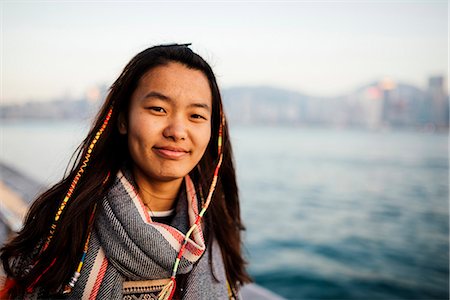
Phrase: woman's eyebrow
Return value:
(200, 105)
(157, 95)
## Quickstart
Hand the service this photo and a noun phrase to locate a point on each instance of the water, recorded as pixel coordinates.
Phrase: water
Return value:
(330, 214)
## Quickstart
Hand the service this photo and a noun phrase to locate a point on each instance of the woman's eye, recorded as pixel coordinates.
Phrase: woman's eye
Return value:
(197, 116)
(157, 109)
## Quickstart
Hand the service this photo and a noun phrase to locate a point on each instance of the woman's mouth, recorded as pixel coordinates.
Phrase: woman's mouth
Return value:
(171, 152)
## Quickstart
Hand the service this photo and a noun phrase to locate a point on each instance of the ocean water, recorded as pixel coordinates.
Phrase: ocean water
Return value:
(330, 214)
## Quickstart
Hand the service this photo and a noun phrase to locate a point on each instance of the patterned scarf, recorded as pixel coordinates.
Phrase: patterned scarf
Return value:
(127, 246)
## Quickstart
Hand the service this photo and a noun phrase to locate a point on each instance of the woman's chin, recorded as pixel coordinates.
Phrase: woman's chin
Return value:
(170, 176)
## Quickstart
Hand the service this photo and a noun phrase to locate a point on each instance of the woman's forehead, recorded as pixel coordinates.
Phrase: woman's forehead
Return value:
(173, 82)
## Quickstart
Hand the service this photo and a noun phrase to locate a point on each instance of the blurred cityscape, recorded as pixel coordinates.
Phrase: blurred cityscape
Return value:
(382, 104)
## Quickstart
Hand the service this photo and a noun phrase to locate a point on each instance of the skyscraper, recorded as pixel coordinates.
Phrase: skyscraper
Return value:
(438, 98)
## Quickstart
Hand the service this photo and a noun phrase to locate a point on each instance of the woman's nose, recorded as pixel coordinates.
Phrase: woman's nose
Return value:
(176, 129)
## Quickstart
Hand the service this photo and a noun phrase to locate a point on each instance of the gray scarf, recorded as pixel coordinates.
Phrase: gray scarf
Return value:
(126, 245)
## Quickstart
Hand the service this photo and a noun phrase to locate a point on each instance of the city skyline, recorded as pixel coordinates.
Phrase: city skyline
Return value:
(377, 105)
(52, 49)
(96, 92)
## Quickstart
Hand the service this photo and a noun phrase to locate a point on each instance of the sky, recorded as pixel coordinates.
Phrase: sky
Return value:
(54, 49)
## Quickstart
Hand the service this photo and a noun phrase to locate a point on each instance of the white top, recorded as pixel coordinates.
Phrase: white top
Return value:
(164, 213)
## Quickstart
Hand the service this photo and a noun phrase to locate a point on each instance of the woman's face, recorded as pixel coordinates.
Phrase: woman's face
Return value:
(169, 122)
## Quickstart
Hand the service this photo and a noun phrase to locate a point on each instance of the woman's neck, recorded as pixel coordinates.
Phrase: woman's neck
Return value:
(157, 195)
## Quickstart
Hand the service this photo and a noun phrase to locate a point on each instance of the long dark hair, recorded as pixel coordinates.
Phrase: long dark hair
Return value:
(222, 219)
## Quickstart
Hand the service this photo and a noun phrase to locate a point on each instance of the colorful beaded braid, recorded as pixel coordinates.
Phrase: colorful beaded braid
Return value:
(67, 198)
(168, 291)
(74, 183)
(68, 288)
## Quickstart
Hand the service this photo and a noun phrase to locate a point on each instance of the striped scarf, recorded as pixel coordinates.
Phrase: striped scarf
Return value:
(127, 246)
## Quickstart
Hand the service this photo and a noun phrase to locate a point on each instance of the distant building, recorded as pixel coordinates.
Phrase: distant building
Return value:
(438, 100)
(372, 102)
(387, 86)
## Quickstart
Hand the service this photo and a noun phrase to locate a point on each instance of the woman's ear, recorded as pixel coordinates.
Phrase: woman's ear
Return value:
(122, 124)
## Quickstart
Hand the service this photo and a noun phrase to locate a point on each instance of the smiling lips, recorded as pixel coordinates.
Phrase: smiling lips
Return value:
(171, 152)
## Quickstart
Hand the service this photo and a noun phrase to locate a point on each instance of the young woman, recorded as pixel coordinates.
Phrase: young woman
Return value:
(150, 209)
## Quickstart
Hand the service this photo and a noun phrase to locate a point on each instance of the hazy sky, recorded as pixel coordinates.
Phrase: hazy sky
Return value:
(55, 48)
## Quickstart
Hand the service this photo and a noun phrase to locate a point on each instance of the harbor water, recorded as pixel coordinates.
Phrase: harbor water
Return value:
(330, 214)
